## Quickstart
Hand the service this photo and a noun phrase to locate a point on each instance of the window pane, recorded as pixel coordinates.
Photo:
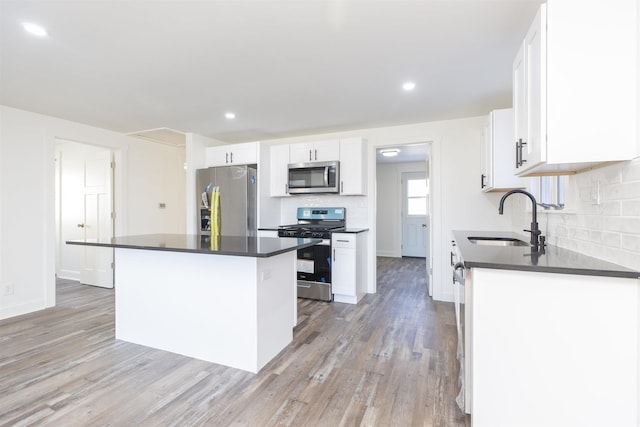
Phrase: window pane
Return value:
(417, 206)
(416, 187)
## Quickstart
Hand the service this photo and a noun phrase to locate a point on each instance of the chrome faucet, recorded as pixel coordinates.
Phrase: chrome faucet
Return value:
(535, 231)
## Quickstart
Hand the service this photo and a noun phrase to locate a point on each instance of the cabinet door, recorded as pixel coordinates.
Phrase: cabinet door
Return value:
(301, 152)
(326, 151)
(486, 156)
(343, 268)
(500, 153)
(217, 156)
(519, 102)
(279, 171)
(343, 271)
(353, 167)
(243, 154)
(535, 50)
(317, 151)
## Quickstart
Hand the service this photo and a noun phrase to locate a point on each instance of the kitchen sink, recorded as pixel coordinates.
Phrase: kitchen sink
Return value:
(497, 241)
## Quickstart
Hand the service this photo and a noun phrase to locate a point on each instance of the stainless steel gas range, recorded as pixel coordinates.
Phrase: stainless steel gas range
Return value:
(314, 262)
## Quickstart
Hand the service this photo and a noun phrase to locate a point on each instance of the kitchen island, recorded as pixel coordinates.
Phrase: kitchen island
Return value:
(228, 300)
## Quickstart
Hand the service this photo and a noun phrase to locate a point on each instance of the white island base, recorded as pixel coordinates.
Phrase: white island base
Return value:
(237, 311)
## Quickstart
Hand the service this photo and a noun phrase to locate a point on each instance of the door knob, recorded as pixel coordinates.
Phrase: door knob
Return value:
(80, 225)
(424, 225)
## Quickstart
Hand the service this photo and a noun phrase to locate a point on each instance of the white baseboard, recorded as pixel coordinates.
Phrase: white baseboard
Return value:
(20, 309)
(390, 254)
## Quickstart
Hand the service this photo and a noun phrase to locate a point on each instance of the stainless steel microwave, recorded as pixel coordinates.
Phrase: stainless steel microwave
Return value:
(314, 177)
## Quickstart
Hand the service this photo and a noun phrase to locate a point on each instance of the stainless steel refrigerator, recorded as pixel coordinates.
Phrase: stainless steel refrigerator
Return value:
(238, 199)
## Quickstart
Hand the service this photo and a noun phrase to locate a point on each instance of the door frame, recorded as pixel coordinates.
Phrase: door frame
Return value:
(118, 194)
(432, 173)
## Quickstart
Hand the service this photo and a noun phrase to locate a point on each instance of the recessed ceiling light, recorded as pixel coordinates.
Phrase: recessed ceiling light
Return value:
(230, 116)
(409, 86)
(34, 29)
(390, 153)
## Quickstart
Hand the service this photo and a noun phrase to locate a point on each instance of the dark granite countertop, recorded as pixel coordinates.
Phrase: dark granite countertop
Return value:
(353, 230)
(257, 247)
(346, 230)
(552, 260)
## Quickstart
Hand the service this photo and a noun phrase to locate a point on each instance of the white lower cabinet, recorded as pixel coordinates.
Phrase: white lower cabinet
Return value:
(553, 349)
(348, 267)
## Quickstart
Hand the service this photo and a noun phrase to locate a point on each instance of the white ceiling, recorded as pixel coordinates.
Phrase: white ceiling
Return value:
(286, 68)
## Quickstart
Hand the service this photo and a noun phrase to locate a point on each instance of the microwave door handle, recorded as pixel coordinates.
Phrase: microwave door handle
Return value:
(326, 176)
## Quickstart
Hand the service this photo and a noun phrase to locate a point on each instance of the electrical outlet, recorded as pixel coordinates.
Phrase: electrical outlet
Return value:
(8, 289)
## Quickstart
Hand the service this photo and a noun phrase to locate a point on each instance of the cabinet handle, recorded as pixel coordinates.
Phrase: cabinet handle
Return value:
(226, 157)
(80, 225)
(286, 188)
(315, 152)
(231, 157)
(482, 177)
(341, 240)
(451, 253)
(310, 155)
(342, 186)
(519, 160)
(334, 255)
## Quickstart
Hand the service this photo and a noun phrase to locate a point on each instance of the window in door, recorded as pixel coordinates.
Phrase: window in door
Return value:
(417, 196)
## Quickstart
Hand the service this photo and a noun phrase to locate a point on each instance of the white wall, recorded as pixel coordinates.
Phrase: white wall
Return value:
(389, 205)
(156, 175)
(457, 200)
(27, 198)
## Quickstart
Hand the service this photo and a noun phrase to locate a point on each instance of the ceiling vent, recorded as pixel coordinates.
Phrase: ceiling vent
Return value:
(162, 135)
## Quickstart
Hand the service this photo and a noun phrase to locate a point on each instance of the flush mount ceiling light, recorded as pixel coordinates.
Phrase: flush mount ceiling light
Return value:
(409, 86)
(34, 29)
(390, 153)
(230, 116)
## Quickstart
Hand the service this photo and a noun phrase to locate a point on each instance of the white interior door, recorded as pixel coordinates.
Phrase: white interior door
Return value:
(84, 209)
(98, 225)
(414, 214)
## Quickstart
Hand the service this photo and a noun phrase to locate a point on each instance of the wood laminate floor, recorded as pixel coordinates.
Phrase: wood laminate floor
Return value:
(388, 361)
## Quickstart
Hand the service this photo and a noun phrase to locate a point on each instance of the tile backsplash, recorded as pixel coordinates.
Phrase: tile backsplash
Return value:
(602, 216)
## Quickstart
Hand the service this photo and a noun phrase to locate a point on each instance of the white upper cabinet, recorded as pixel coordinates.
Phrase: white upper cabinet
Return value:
(353, 167)
(279, 155)
(317, 151)
(233, 154)
(498, 156)
(574, 87)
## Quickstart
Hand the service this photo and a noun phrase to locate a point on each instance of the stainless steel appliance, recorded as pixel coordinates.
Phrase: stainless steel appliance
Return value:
(314, 262)
(238, 199)
(314, 177)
